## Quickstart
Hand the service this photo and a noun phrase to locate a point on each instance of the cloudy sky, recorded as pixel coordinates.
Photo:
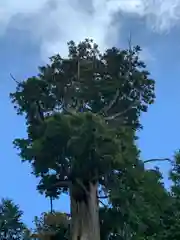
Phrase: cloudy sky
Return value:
(31, 31)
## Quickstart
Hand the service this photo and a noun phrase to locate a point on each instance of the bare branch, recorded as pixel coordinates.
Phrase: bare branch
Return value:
(117, 94)
(119, 114)
(130, 42)
(157, 160)
(13, 78)
(58, 184)
(103, 203)
(102, 197)
(78, 79)
(115, 99)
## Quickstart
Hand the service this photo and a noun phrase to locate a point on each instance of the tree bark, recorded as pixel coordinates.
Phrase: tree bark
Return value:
(85, 216)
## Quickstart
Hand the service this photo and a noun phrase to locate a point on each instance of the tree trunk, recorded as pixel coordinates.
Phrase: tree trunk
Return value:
(85, 216)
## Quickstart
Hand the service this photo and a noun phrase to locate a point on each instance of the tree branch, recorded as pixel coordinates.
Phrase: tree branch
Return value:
(39, 111)
(103, 203)
(102, 197)
(157, 160)
(82, 186)
(60, 184)
(13, 78)
(67, 110)
(106, 109)
(116, 97)
(119, 114)
(130, 42)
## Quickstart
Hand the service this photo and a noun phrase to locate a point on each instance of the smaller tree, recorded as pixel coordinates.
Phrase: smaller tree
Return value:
(171, 218)
(136, 210)
(53, 226)
(11, 225)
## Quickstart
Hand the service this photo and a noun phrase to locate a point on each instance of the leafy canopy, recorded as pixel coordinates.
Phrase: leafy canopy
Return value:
(81, 115)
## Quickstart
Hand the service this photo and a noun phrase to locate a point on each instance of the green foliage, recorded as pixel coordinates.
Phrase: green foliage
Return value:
(77, 109)
(11, 225)
(82, 114)
(55, 225)
(171, 217)
(137, 207)
(59, 85)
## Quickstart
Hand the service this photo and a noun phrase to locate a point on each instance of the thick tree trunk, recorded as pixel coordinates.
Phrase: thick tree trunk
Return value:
(85, 216)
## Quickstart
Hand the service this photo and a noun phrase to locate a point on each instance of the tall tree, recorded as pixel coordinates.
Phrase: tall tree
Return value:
(82, 113)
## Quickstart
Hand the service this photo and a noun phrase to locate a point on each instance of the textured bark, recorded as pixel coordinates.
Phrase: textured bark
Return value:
(85, 217)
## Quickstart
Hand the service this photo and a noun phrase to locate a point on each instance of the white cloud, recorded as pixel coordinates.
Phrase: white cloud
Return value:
(162, 15)
(55, 22)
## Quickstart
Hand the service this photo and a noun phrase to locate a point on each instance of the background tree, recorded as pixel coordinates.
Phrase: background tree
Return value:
(11, 225)
(136, 212)
(171, 216)
(53, 226)
(82, 114)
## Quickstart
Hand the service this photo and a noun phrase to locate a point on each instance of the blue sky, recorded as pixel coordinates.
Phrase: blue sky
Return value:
(31, 31)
